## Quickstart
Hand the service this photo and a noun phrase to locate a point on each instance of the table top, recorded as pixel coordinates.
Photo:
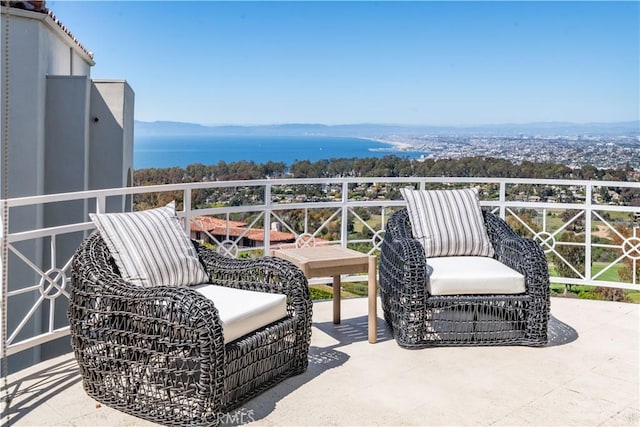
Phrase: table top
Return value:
(323, 257)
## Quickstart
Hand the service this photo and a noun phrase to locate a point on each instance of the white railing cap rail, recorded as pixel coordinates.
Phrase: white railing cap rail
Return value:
(60, 197)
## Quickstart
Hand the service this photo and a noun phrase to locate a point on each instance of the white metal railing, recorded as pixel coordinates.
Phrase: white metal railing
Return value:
(606, 238)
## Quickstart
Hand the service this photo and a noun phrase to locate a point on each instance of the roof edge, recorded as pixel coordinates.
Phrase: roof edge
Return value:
(49, 19)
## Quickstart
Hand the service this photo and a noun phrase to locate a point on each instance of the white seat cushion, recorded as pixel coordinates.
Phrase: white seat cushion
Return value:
(472, 275)
(241, 311)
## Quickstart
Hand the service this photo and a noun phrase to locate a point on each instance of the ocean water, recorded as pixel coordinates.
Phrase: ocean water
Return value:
(168, 151)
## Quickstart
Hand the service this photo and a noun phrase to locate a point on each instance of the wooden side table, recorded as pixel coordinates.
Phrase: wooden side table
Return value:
(323, 261)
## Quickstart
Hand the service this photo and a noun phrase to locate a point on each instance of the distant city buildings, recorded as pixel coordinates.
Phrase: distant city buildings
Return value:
(574, 151)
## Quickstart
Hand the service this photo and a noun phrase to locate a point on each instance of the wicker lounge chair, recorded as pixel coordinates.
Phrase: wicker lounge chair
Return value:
(419, 319)
(159, 352)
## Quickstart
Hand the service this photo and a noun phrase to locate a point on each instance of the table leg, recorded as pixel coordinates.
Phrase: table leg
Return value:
(336, 299)
(373, 295)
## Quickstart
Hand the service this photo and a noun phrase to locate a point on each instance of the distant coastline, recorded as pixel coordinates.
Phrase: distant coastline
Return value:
(396, 146)
(604, 145)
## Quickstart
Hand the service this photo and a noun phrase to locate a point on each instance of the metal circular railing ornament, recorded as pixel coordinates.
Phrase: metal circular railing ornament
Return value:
(377, 239)
(52, 283)
(630, 245)
(228, 248)
(546, 240)
(305, 240)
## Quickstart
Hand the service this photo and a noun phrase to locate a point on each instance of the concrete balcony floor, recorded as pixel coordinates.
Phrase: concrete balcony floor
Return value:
(587, 376)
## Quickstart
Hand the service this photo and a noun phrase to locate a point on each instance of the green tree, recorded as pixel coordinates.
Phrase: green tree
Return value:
(577, 225)
(526, 217)
(567, 256)
(625, 273)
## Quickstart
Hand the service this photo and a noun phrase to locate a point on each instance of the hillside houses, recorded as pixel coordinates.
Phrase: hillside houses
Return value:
(214, 231)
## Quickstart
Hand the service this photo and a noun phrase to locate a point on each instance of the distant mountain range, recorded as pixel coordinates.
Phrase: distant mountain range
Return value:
(631, 128)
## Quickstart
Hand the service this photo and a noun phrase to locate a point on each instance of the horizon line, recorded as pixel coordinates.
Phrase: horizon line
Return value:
(555, 122)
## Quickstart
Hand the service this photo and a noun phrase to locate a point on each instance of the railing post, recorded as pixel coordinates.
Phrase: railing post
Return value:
(503, 199)
(587, 226)
(101, 203)
(344, 232)
(634, 269)
(187, 210)
(267, 219)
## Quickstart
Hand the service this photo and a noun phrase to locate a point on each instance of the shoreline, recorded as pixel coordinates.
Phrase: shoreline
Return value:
(397, 145)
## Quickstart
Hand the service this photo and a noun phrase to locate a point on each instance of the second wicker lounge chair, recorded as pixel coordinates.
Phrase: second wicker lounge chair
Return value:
(420, 314)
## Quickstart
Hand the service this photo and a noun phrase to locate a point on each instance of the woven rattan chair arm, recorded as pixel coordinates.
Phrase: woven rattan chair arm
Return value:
(522, 254)
(402, 257)
(413, 265)
(526, 257)
(403, 267)
(399, 225)
(497, 228)
(265, 274)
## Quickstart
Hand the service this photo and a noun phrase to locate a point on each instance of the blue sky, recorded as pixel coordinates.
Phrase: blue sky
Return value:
(427, 63)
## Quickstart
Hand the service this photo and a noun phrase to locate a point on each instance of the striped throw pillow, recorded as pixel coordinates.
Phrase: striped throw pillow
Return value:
(150, 247)
(448, 222)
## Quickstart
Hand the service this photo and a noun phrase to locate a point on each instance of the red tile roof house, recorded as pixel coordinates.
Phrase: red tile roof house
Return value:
(222, 230)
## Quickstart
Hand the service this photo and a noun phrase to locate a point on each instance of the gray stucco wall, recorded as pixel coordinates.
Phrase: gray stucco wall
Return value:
(54, 147)
(111, 138)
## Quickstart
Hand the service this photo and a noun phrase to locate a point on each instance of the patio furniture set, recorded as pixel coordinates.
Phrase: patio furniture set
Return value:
(170, 331)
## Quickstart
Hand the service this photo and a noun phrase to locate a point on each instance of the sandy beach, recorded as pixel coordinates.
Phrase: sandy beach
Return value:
(397, 145)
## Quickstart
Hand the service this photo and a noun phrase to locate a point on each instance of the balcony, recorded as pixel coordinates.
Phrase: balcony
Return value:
(587, 375)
